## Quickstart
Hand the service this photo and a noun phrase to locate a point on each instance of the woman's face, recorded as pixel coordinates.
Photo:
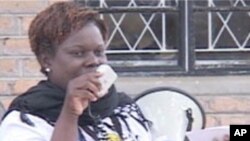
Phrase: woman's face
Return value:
(80, 53)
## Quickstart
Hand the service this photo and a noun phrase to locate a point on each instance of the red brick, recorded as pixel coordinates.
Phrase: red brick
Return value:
(211, 121)
(1, 46)
(31, 68)
(9, 67)
(227, 119)
(16, 46)
(20, 86)
(7, 101)
(234, 119)
(25, 23)
(22, 6)
(8, 25)
(4, 88)
(226, 103)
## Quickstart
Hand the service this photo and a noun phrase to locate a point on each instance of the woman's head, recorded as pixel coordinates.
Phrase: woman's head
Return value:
(69, 40)
(53, 25)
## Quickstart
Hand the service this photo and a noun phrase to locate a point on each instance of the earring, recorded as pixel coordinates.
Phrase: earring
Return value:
(47, 70)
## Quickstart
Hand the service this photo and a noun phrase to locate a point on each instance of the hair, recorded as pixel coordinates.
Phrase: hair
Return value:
(54, 24)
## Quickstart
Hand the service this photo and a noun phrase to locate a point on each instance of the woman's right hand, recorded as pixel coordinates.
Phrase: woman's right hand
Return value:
(225, 138)
(80, 91)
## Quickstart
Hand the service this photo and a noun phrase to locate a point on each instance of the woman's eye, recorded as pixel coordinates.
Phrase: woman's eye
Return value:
(99, 52)
(78, 53)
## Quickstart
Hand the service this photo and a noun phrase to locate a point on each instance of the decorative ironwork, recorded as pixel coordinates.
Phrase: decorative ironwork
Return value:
(178, 36)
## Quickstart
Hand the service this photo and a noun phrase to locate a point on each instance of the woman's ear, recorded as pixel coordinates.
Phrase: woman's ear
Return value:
(45, 61)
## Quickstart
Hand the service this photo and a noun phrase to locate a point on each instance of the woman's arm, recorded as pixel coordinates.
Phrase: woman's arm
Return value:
(65, 128)
(80, 92)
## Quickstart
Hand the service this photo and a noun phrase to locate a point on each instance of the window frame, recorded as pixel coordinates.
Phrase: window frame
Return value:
(188, 62)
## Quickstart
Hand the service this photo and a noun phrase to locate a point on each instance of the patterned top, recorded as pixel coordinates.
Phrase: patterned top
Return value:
(126, 124)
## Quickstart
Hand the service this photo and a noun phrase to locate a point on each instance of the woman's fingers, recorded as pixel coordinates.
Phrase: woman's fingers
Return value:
(77, 102)
(91, 88)
(226, 137)
(89, 82)
(81, 91)
(88, 91)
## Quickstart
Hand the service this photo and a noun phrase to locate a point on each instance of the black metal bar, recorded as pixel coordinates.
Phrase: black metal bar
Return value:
(181, 39)
(191, 36)
(187, 39)
(143, 9)
(135, 9)
(221, 9)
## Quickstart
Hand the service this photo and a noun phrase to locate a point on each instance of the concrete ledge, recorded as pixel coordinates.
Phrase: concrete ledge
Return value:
(205, 85)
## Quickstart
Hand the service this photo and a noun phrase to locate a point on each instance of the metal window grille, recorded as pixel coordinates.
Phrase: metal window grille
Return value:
(173, 37)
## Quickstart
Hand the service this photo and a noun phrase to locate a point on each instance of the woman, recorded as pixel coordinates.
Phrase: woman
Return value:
(69, 42)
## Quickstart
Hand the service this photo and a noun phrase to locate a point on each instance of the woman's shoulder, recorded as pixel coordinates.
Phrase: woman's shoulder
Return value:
(13, 126)
(13, 117)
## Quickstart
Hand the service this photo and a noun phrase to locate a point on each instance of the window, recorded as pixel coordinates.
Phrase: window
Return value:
(171, 37)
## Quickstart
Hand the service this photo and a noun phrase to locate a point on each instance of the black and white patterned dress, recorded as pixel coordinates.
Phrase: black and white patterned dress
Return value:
(126, 124)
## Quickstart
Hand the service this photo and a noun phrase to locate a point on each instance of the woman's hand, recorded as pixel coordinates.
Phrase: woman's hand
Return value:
(81, 91)
(225, 138)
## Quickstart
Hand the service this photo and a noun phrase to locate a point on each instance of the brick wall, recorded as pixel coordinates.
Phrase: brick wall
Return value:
(225, 99)
(18, 67)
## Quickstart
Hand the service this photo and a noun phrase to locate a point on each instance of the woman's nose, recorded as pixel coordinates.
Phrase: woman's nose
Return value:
(93, 59)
